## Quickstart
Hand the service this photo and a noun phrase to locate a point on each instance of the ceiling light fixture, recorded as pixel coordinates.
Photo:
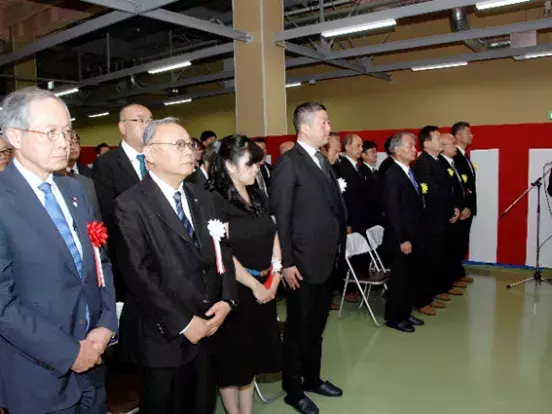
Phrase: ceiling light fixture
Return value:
(170, 67)
(360, 28)
(485, 5)
(66, 92)
(439, 66)
(98, 115)
(293, 85)
(533, 55)
(73, 119)
(177, 102)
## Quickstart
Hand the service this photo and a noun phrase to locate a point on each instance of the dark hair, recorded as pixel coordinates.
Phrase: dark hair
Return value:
(303, 113)
(386, 145)
(205, 135)
(425, 134)
(259, 140)
(459, 127)
(101, 146)
(348, 140)
(232, 149)
(368, 145)
(199, 144)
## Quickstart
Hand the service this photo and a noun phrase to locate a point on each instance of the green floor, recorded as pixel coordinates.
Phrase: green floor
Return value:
(490, 351)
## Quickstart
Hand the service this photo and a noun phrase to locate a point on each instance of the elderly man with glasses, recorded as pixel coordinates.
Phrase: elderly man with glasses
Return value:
(180, 288)
(118, 170)
(57, 301)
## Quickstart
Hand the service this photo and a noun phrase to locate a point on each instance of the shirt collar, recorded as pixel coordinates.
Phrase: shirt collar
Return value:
(33, 180)
(405, 168)
(310, 150)
(449, 160)
(130, 152)
(462, 150)
(372, 168)
(165, 188)
(204, 172)
(353, 162)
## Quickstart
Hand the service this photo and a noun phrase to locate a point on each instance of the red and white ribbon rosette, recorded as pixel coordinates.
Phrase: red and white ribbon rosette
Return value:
(217, 231)
(97, 233)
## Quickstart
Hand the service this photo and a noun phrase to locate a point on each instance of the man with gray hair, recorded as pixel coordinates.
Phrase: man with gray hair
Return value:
(177, 295)
(57, 303)
(403, 237)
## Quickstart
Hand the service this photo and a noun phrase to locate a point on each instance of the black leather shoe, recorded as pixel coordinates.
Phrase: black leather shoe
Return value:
(403, 326)
(327, 389)
(305, 405)
(415, 321)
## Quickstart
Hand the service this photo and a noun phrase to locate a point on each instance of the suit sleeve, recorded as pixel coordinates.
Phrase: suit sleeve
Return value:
(167, 310)
(31, 334)
(434, 196)
(103, 181)
(282, 199)
(392, 201)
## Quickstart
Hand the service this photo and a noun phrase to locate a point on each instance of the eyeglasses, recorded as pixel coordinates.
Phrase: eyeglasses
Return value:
(180, 145)
(53, 134)
(140, 120)
(6, 152)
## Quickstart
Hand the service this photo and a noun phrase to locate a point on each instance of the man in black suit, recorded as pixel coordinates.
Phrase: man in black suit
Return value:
(201, 174)
(264, 176)
(440, 211)
(332, 149)
(452, 258)
(117, 171)
(373, 185)
(464, 138)
(74, 167)
(311, 216)
(389, 160)
(403, 237)
(101, 149)
(177, 299)
(355, 198)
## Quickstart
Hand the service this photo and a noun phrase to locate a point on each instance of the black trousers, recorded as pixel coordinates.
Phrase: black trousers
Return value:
(307, 314)
(433, 278)
(402, 284)
(187, 389)
(461, 244)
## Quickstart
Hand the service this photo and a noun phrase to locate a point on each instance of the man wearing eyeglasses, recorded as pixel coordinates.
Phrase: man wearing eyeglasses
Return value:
(74, 167)
(119, 170)
(6, 154)
(176, 299)
(56, 316)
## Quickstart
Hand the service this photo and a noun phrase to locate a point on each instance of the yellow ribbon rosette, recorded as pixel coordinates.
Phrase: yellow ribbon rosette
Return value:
(451, 172)
(464, 178)
(424, 188)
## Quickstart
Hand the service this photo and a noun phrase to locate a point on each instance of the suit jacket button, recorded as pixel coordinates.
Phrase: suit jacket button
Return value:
(82, 321)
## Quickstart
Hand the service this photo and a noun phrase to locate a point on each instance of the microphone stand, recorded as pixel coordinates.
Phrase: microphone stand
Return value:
(537, 276)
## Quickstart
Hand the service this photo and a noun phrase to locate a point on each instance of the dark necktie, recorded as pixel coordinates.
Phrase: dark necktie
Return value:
(187, 224)
(324, 163)
(143, 170)
(413, 180)
(71, 173)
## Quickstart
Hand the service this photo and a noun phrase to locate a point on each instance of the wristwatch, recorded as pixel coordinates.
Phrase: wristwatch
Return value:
(232, 303)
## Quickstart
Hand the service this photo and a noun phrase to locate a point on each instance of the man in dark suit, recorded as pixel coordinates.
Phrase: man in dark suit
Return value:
(56, 315)
(119, 170)
(101, 149)
(311, 216)
(440, 211)
(403, 237)
(373, 185)
(332, 149)
(74, 167)
(201, 174)
(177, 299)
(453, 260)
(264, 176)
(464, 138)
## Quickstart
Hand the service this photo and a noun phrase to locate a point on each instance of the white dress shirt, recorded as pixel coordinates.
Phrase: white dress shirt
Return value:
(34, 181)
(353, 162)
(131, 153)
(370, 166)
(168, 192)
(405, 168)
(75, 169)
(311, 151)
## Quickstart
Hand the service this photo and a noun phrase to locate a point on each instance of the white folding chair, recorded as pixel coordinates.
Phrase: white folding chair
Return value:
(356, 245)
(375, 240)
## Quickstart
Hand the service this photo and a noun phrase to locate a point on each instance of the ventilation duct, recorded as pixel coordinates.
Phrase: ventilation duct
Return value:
(459, 22)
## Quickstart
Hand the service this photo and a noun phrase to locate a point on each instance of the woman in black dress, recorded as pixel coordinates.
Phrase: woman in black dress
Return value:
(249, 340)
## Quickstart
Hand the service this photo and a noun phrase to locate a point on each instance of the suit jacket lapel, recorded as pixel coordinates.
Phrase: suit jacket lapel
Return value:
(33, 212)
(126, 165)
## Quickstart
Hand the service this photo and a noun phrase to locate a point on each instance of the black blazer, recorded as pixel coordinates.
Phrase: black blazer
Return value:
(85, 170)
(403, 209)
(355, 199)
(385, 165)
(456, 182)
(197, 178)
(168, 279)
(113, 175)
(439, 199)
(373, 190)
(310, 215)
(462, 164)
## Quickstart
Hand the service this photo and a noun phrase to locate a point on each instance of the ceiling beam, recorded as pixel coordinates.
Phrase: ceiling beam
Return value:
(393, 13)
(443, 39)
(65, 36)
(198, 24)
(134, 7)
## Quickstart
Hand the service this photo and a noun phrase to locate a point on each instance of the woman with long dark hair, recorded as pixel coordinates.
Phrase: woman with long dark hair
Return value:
(249, 341)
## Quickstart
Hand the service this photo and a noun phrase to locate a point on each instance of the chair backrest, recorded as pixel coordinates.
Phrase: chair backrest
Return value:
(375, 236)
(356, 244)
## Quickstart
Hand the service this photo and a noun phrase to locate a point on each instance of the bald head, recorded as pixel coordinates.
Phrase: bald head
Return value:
(449, 145)
(286, 146)
(133, 120)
